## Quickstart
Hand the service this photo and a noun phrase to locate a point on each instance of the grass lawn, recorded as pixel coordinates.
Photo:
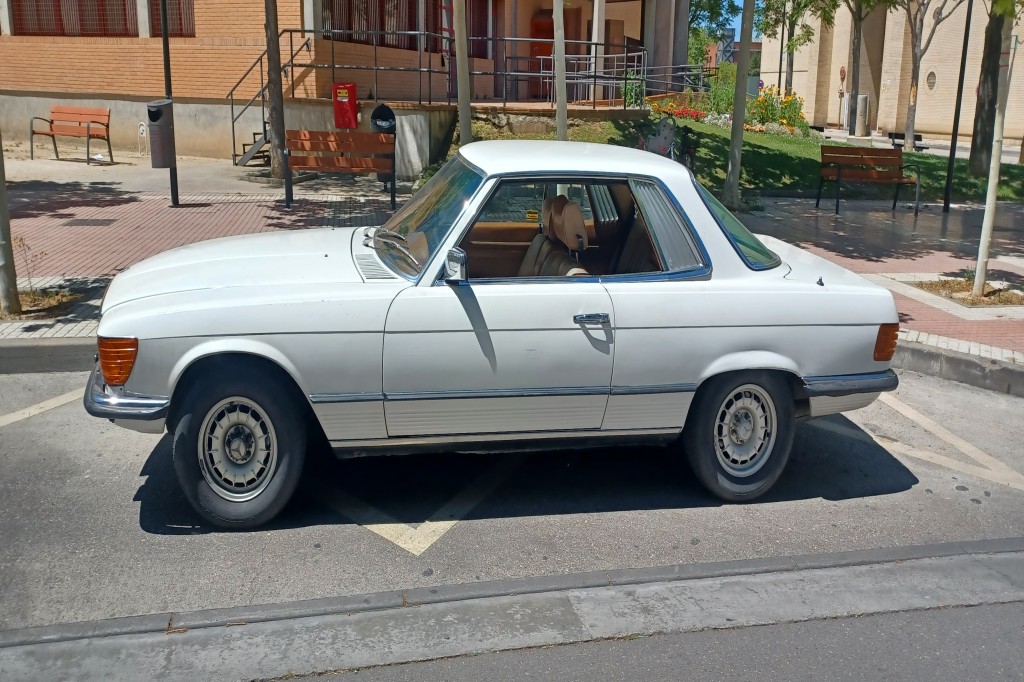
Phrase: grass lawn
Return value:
(778, 163)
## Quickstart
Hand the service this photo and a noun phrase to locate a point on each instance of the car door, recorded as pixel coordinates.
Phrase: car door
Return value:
(659, 277)
(501, 356)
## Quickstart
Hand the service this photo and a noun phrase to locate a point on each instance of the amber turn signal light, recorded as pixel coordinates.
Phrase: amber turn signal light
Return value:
(117, 357)
(885, 342)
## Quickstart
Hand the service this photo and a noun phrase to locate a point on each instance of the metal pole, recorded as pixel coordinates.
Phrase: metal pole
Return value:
(956, 111)
(167, 90)
(462, 76)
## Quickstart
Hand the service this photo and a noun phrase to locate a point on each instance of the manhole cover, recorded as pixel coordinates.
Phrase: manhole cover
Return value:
(90, 222)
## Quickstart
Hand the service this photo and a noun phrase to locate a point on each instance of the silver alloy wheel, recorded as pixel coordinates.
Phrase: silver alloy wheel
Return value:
(745, 429)
(237, 449)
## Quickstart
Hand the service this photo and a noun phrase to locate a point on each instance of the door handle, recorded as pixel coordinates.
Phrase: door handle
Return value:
(591, 318)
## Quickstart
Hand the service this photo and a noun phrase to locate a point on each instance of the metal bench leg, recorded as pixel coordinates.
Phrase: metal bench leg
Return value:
(53, 139)
(896, 198)
(31, 144)
(110, 152)
(839, 176)
(821, 183)
(88, 151)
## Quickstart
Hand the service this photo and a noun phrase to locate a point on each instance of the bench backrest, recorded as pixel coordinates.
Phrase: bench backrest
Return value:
(354, 152)
(81, 115)
(863, 162)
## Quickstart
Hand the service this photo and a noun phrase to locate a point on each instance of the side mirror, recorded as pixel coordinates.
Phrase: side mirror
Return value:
(455, 266)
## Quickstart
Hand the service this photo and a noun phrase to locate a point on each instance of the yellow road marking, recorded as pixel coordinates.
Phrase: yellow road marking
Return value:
(39, 408)
(417, 540)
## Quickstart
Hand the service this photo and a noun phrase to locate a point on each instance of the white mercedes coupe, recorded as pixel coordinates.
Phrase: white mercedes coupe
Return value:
(531, 295)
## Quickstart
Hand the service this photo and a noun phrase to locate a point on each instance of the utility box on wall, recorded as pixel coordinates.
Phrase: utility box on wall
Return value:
(346, 107)
(161, 134)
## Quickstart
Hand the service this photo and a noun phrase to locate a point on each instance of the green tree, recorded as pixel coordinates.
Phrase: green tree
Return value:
(789, 16)
(985, 108)
(918, 14)
(713, 16)
(697, 45)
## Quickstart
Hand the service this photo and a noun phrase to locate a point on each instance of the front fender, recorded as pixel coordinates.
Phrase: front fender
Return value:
(247, 346)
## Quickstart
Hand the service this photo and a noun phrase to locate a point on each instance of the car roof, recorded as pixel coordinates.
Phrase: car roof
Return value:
(496, 157)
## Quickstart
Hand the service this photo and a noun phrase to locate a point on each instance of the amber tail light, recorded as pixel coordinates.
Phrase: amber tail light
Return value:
(117, 357)
(885, 342)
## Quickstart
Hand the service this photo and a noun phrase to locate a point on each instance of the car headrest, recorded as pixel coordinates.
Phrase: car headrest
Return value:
(570, 228)
(548, 209)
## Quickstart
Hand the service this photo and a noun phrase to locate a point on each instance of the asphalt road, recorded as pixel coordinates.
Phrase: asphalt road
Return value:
(93, 524)
(973, 643)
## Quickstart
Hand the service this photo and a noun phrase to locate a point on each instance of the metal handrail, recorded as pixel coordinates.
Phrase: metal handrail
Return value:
(261, 93)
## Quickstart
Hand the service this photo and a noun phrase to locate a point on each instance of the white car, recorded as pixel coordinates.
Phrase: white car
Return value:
(532, 295)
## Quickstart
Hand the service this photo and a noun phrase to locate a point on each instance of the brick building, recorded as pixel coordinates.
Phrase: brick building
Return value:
(108, 53)
(885, 72)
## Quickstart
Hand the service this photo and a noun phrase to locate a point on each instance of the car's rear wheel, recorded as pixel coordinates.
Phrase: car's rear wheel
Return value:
(739, 433)
(238, 449)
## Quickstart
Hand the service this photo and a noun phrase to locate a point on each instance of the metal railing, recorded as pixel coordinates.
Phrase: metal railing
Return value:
(261, 94)
(663, 80)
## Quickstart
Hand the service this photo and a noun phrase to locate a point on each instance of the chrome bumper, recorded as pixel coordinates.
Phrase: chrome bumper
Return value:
(107, 404)
(850, 384)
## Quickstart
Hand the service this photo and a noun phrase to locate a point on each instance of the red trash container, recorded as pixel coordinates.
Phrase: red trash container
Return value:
(346, 107)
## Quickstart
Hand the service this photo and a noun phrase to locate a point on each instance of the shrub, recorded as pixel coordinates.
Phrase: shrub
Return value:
(723, 88)
(771, 106)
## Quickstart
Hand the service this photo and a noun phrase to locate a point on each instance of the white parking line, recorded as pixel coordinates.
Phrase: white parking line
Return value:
(38, 408)
(417, 540)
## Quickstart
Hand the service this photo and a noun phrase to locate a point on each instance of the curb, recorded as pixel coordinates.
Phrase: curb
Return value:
(34, 356)
(167, 622)
(987, 373)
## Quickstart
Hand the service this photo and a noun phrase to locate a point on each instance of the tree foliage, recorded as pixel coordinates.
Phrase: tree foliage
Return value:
(713, 16)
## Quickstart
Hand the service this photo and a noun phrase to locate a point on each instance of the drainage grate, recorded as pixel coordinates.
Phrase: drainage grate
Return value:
(89, 222)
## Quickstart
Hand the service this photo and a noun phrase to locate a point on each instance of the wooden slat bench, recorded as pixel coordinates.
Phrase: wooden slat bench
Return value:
(869, 165)
(899, 139)
(340, 152)
(92, 123)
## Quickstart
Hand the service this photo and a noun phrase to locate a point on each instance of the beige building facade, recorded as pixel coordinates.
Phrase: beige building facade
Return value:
(885, 73)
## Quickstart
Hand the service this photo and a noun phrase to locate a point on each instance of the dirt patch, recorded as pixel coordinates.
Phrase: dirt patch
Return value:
(961, 291)
(44, 304)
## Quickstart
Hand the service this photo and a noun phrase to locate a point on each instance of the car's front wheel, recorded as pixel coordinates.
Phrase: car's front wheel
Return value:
(238, 449)
(739, 433)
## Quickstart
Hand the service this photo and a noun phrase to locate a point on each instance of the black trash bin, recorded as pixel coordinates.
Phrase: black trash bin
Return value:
(161, 133)
(382, 120)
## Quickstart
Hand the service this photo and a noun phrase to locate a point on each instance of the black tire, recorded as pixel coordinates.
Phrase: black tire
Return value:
(747, 466)
(268, 435)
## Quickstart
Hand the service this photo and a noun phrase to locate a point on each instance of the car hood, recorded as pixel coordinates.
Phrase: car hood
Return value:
(269, 258)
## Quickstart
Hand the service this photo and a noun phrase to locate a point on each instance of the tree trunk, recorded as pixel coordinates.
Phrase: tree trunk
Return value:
(789, 59)
(985, 109)
(915, 78)
(275, 97)
(987, 223)
(731, 190)
(9, 302)
(462, 82)
(851, 105)
(561, 103)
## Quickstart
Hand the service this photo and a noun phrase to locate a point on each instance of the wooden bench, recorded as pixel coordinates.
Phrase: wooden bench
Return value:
(869, 165)
(899, 139)
(92, 123)
(340, 152)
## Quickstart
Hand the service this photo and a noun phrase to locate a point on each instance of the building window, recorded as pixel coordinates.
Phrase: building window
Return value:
(181, 19)
(96, 18)
(375, 22)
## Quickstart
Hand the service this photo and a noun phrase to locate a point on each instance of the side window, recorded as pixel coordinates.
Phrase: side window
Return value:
(668, 229)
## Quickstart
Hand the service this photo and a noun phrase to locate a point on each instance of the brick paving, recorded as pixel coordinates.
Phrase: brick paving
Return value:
(84, 236)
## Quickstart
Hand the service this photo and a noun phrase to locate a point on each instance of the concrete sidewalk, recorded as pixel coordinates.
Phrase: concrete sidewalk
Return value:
(84, 231)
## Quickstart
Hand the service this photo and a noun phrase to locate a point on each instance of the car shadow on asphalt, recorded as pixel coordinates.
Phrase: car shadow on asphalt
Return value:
(832, 459)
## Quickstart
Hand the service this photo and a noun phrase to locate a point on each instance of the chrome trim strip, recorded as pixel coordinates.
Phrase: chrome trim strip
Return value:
(651, 390)
(849, 384)
(101, 404)
(500, 393)
(488, 437)
(318, 398)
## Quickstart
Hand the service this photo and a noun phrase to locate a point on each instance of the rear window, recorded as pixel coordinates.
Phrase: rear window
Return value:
(756, 255)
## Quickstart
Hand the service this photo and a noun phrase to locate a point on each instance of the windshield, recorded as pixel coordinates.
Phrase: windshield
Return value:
(425, 220)
(754, 253)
